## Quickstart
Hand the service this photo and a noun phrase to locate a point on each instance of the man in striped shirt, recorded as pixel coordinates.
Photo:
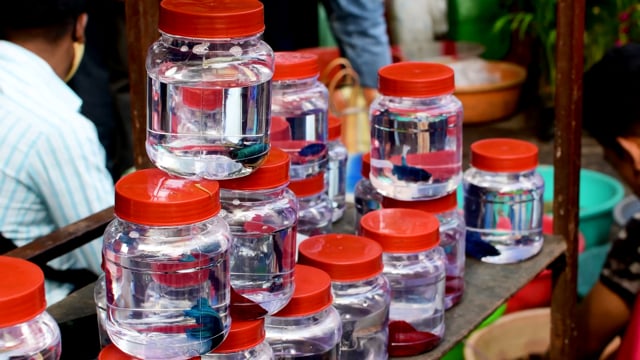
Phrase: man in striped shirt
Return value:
(53, 169)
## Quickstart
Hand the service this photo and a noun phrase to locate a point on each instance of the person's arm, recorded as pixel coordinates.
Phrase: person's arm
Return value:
(69, 168)
(360, 29)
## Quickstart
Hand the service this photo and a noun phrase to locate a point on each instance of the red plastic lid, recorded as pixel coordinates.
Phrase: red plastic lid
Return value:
(173, 272)
(21, 291)
(415, 79)
(504, 155)
(201, 98)
(335, 127)
(243, 335)
(312, 293)
(344, 257)
(153, 197)
(211, 19)
(280, 130)
(436, 206)
(308, 186)
(366, 165)
(273, 173)
(295, 66)
(401, 230)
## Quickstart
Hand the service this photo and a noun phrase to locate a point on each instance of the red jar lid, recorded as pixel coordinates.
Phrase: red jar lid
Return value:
(308, 186)
(21, 291)
(201, 98)
(401, 230)
(415, 79)
(243, 335)
(435, 206)
(211, 19)
(344, 257)
(279, 130)
(311, 294)
(295, 66)
(335, 127)
(273, 173)
(153, 197)
(366, 165)
(504, 155)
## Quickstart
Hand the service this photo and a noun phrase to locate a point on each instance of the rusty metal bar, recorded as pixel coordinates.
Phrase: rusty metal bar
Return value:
(142, 31)
(567, 152)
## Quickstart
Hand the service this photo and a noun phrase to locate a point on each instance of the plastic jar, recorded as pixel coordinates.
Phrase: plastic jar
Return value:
(416, 132)
(246, 340)
(299, 97)
(280, 130)
(100, 298)
(414, 264)
(166, 264)
(503, 201)
(262, 213)
(209, 89)
(361, 293)
(452, 235)
(27, 331)
(314, 206)
(365, 196)
(309, 327)
(336, 175)
(111, 352)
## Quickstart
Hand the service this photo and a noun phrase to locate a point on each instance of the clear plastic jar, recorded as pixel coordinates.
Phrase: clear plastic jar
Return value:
(503, 201)
(246, 340)
(299, 97)
(100, 298)
(314, 206)
(262, 214)
(309, 327)
(166, 264)
(414, 264)
(416, 132)
(452, 236)
(209, 81)
(27, 331)
(361, 293)
(336, 175)
(366, 197)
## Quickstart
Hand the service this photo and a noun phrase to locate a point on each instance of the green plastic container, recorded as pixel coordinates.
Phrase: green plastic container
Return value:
(457, 352)
(599, 193)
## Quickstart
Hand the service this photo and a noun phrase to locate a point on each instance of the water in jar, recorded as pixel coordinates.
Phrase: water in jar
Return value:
(336, 179)
(224, 138)
(315, 214)
(452, 242)
(504, 218)
(416, 154)
(167, 291)
(38, 338)
(304, 349)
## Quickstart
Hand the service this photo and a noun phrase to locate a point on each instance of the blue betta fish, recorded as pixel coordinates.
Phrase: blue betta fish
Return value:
(312, 149)
(248, 152)
(209, 320)
(478, 248)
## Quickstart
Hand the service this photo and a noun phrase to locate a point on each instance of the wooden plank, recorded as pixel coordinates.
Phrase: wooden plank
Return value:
(142, 25)
(567, 145)
(66, 239)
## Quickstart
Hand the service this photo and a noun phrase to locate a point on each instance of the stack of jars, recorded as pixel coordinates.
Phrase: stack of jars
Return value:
(410, 177)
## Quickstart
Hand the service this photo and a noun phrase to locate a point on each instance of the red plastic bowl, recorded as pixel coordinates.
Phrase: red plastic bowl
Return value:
(537, 293)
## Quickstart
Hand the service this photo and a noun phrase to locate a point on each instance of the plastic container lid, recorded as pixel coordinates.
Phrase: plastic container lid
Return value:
(335, 127)
(311, 294)
(344, 257)
(273, 173)
(436, 206)
(279, 130)
(211, 19)
(401, 230)
(415, 79)
(21, 291)
(365, 169)
(243, 335)
(308, 186)
(504, 155)
(153, 197)
(295, 66)
(201, 98)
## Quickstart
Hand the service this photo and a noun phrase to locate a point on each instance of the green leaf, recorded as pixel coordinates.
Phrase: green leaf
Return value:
(502, 21)
(525, 25)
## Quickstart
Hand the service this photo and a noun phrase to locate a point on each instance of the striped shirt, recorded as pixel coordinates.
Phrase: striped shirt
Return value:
(52, 166)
